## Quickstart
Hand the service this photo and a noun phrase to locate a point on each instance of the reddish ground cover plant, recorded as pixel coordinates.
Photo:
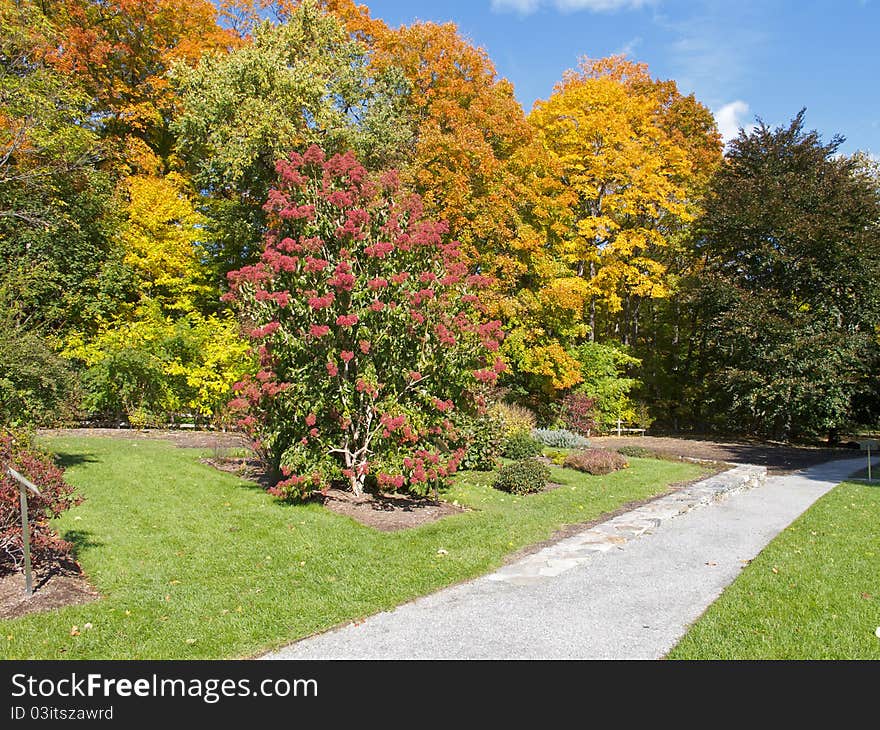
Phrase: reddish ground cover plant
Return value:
(370, 333)
(47, 548)
(596, 461)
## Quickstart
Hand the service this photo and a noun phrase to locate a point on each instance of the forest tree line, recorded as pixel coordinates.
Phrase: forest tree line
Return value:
(634, 260)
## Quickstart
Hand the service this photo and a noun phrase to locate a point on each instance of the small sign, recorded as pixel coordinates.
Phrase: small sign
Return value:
(869, 445)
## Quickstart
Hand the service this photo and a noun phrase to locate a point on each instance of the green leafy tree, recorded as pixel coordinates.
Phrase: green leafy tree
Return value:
(301, 82)
(786, 308)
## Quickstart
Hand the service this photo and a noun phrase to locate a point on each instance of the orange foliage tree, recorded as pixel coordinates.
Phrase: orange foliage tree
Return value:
(120, 51)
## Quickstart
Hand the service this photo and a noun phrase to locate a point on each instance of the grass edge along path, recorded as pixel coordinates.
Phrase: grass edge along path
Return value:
(193, 563)
(812, 593)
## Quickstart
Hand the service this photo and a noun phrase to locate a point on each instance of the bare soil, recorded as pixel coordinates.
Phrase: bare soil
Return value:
(54, 590)
(778, 458)
(388, 512)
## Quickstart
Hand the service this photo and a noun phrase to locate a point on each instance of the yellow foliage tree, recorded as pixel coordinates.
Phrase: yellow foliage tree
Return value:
(617, 147)
(160, 241)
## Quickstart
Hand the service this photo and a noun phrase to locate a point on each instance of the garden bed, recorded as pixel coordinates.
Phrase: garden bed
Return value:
(195, 563)
(51, 591)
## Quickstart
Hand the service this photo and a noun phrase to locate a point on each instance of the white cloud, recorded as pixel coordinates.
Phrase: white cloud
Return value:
(523, 7)
(730, 119)
(526, 7)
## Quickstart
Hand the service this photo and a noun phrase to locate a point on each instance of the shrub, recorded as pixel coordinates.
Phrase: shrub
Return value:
(37, 388)
(521, 445)
(578, 413)
(514, 417)
(47, 548)
(638, 452)
(150, 368)
(522, 477)
(560, 438)
(369, 329)
(557, 457)
(595, 461)
(481, 436)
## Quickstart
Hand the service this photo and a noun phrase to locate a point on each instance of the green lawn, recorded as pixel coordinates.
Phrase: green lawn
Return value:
(195, 563)
(813, 593)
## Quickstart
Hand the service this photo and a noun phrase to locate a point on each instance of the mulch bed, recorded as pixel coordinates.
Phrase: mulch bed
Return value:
(388, 512)
(54, 590)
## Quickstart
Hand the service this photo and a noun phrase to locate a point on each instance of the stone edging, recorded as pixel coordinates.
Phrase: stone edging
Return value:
(572, 551)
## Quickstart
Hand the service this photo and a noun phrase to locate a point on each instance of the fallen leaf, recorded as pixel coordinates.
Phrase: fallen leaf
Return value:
(775, 569)
(866, 596)
(74, 630)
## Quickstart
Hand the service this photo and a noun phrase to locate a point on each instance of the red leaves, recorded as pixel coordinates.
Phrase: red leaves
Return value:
(56, 496)
(321, 302)
(346, 344)
(347, 320)
(379, 250)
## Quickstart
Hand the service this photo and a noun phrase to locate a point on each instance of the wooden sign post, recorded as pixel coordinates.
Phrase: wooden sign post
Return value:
(868, 445)
(24, 485)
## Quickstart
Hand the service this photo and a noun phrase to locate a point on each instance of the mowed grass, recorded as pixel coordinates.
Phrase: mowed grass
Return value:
(195, 563)
(813, 593)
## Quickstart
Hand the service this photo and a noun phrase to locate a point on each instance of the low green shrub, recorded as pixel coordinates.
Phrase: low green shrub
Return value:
(523, 477)
(37, 388)
(637, 452)
(595, 461)
(481, 436)
(521, 445)
(560, 438)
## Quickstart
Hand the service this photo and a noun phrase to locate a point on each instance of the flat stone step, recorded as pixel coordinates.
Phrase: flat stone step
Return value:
(572, 551)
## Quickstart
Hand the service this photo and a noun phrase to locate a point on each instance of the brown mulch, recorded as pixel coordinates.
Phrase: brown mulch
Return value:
(250, 468)
(778, 458)
(388, 512)
(54, 590)
(185, 439)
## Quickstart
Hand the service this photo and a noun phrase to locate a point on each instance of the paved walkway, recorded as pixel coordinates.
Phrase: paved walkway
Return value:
(626, 589)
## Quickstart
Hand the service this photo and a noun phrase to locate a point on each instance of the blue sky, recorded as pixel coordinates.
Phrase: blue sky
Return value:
(742, 59)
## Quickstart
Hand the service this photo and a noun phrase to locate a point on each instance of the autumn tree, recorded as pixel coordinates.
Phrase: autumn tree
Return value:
(295, 83)
(369, 330)
(622, 175)
(785, 337)
(54, 199)
(120, 51)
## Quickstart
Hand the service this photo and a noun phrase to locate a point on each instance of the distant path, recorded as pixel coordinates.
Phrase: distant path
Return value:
(633, 601)
(179, 437)
(778, 458)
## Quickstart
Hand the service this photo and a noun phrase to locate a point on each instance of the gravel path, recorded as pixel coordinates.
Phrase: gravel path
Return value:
(633, 601)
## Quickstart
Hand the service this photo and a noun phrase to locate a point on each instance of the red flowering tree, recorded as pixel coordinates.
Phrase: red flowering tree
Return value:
(369, 329)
